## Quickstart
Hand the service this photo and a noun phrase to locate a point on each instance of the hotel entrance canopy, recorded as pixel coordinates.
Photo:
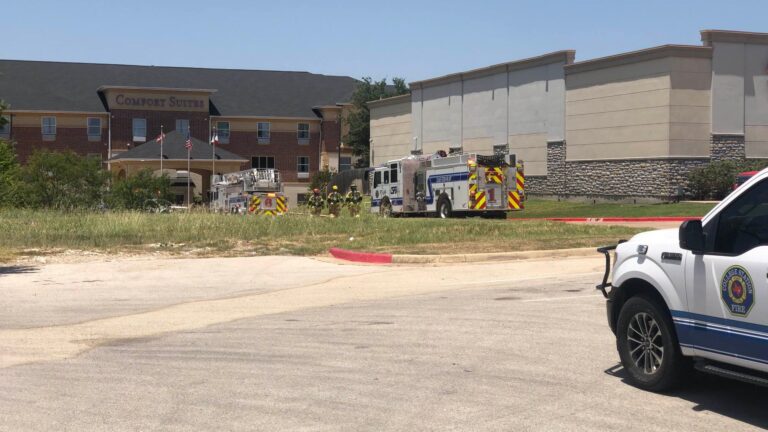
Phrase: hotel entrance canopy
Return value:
(174, 156)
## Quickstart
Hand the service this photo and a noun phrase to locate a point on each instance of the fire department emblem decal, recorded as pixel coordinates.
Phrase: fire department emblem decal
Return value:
(737, 291)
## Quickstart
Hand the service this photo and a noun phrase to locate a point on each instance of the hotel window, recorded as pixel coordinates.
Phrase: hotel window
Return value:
(94, 129)
(49, 127)
(139, 129)
(345, 163)
(263, 132)
(302, 133)
(222, 130)
(182, 125)
(302, 167)
(5, 126)
(263, 162)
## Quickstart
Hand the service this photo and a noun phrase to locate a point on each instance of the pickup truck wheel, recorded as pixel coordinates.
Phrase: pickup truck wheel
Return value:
(648, 346)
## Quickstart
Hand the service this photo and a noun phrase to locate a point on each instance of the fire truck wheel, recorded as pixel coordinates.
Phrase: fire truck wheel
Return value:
(444, 208)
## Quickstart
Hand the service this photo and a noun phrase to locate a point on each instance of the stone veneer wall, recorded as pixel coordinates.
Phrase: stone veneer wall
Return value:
(651, 178)
(728, 147)
(656, 178)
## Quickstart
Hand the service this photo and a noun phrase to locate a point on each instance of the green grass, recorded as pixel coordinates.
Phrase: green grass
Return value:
(538, 208)
(293, 234)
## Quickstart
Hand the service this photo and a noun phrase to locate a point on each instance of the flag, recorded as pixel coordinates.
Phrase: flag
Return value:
(188, 144)
(160, 138)
(215, 139)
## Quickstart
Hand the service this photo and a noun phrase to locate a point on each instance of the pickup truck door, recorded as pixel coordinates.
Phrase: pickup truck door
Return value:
(728, 286)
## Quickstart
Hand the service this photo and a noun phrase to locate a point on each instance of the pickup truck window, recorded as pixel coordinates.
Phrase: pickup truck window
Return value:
(743, 225)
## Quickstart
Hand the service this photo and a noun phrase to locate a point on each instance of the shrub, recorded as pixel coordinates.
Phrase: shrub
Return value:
(134, 192)
(716, 180)
(9, 176)
(63, 180)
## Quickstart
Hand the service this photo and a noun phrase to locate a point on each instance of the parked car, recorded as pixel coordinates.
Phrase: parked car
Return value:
(742, 177)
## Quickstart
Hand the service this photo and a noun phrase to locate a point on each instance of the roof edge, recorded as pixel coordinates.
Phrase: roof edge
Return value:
(653, 53)
(390, 100)
(116, 158)
(26, 111)
(566, 56)
(179, 90)
(709, 36)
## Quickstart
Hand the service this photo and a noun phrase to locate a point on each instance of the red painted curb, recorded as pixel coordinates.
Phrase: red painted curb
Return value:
(617, 219)
(626, 219)
(366, 257)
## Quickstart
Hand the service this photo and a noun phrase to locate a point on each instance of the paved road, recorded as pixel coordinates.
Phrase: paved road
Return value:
(503, 346)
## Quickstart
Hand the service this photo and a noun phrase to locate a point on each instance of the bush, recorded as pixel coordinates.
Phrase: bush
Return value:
(133, 193)
(716, 180)
(63, 180)
(321, 179)
(9, 176)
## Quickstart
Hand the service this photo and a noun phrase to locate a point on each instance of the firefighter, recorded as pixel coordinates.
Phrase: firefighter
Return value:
(316, 203)
(353, 200)
(334, 202)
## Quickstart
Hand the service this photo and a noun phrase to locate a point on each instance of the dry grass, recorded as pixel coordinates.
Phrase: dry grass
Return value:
(293, 234)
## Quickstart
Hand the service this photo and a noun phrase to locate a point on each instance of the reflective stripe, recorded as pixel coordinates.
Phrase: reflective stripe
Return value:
(254, 205)
(739, 339)
(282, 206)
(479, 201)
(513, 199)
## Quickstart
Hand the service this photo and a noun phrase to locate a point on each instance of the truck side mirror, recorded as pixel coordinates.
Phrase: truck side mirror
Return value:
(692, 236)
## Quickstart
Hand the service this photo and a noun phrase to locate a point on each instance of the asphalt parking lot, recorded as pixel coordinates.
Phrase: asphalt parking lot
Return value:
(306, 344)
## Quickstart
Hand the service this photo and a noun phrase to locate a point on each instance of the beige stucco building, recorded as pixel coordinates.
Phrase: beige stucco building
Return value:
(633, 124)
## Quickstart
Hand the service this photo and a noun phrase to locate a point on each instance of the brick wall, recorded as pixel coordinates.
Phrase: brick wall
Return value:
(283, 146)
(29, 139)
(122, 125)
(331, 135)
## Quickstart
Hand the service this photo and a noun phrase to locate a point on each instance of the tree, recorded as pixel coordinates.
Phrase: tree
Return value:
(9, 175)
(9, 168)
(63, 180)
(320, 180)
(138, 191)
(359, 118)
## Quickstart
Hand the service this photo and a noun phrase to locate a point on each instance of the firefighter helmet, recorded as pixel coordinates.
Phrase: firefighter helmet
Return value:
(335, 187)
(353, 187)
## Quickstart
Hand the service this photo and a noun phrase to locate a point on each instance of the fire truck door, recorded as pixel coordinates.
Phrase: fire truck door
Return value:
(420, 188)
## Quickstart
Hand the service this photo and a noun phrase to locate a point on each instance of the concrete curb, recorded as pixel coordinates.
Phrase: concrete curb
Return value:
(364, 257)
(491, 256)
(616, 219)
(379, 258)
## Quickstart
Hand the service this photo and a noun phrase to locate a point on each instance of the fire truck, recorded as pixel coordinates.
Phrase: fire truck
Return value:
(253, 191)
(444, 185)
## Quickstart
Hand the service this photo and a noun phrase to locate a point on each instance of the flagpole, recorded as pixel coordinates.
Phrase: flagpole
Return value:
(161, 150)
(188, 144)
(213, 151)
(189, 174)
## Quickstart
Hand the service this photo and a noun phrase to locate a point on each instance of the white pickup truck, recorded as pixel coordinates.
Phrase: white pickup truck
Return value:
(696, 296)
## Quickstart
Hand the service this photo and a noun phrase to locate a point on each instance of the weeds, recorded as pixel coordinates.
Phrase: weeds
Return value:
(292, 234)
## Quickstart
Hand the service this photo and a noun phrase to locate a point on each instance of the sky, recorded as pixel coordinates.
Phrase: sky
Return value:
(413, 39)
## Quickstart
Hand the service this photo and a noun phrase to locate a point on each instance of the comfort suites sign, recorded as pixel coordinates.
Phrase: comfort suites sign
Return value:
(182, 101)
